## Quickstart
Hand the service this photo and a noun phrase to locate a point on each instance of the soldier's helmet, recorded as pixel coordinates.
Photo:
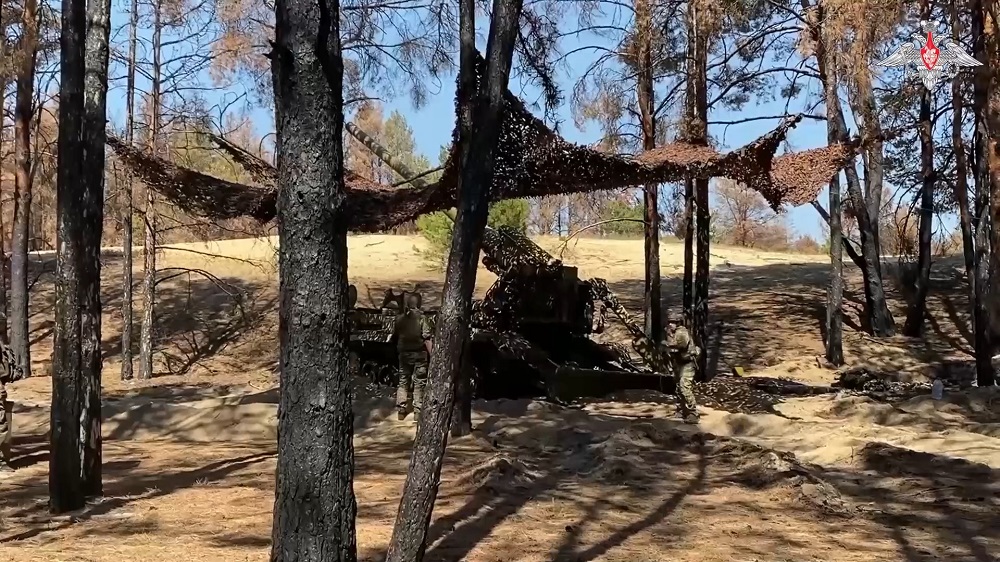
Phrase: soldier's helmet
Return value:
(413, 300)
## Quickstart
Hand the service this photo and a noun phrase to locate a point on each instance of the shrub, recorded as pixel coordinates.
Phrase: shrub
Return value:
(436, 228)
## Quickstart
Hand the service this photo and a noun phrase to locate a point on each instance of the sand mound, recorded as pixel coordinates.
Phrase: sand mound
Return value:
(497, 474)
(890, 460)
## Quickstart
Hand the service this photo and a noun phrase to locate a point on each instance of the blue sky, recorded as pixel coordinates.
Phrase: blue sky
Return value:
(432, 123)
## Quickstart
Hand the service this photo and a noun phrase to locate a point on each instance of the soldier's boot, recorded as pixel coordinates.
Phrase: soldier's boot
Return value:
(692, 417)
(5, 459)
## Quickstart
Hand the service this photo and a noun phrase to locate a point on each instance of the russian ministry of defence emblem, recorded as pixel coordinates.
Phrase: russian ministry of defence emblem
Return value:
(930, 56)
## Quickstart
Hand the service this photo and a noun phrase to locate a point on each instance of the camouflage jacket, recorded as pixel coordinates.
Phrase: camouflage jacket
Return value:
(411, 330)
(10, 368)
(680, 346)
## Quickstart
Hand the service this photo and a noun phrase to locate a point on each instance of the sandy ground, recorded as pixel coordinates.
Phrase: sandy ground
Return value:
(189, 456)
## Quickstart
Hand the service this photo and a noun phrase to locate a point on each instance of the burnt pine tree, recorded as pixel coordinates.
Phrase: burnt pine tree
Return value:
(835, 295)
(984, 344)
(75, 459)
(467, 98)
(914, 323)
(992, 196)
(880, 318)
(24, 108)
(652, 300)
(409, 534)
(314, 504)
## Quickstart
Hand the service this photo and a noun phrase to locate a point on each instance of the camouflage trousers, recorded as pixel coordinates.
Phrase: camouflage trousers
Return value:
(412, 381)
(684, 378)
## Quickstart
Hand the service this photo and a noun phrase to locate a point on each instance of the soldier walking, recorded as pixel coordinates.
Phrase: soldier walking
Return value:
(413, 336)
(683, 354)
(10, 371)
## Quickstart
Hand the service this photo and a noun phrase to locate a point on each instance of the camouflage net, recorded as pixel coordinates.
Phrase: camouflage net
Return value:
(533, 161)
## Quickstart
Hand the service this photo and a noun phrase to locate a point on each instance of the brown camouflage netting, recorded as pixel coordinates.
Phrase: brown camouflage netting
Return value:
(533, 161)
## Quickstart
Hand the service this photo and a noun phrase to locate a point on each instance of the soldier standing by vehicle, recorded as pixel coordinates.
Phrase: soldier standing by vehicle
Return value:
(412, 333)
(683, 354)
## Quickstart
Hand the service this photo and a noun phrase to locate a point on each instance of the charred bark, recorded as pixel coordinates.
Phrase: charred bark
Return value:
(983, 335)
(835, 294)
(962, 181)
(127, 204)
(652, 302)
(688, 252)
(23, 112)
(992, 109)
(92, 209)
(409, 535)
(314, 506)
(467, 98)
(699, 135)
(913, 326)
(74, 462)
(880, 319)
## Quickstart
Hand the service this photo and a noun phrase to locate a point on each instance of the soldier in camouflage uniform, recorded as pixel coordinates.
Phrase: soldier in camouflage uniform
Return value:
(412, 333)
(683, 354)
(10, 371)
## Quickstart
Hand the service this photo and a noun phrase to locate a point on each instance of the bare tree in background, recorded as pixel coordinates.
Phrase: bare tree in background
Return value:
(126, 192)
(741, 212)
(24, 110)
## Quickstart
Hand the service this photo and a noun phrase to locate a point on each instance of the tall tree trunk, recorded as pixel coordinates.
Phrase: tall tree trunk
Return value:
(913, 326)
(75, 459)
(962, 190)
(992, 35)
(652, 302)
(23, 111)
(468, 98)
(149, 215)
(985, 342)
(314, 506)
(699, 131)
(689, 230)
(835, 294)
(409, 535)
(876, 307)
(127, 205)
(4, 264)
(95, 137)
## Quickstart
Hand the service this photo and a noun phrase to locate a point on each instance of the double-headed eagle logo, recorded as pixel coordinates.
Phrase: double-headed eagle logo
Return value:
(931, 57)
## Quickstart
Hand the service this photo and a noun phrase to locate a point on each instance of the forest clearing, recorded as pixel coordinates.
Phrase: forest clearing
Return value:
(189, 456)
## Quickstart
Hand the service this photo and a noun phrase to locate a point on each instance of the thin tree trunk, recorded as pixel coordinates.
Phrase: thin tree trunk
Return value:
(314, 506)
(652, 301)
(984, 340)
(23, 111)
(409, 534)
(700, 136)
(835, 295)
(992, 36)
(95, 136)
(70, 384)
(917, 309)
(962, 182)
(876, 307)
(4, 264)
(845, 242)
(688, 288)
(149, 217)
(127, 205)
(468, 97)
